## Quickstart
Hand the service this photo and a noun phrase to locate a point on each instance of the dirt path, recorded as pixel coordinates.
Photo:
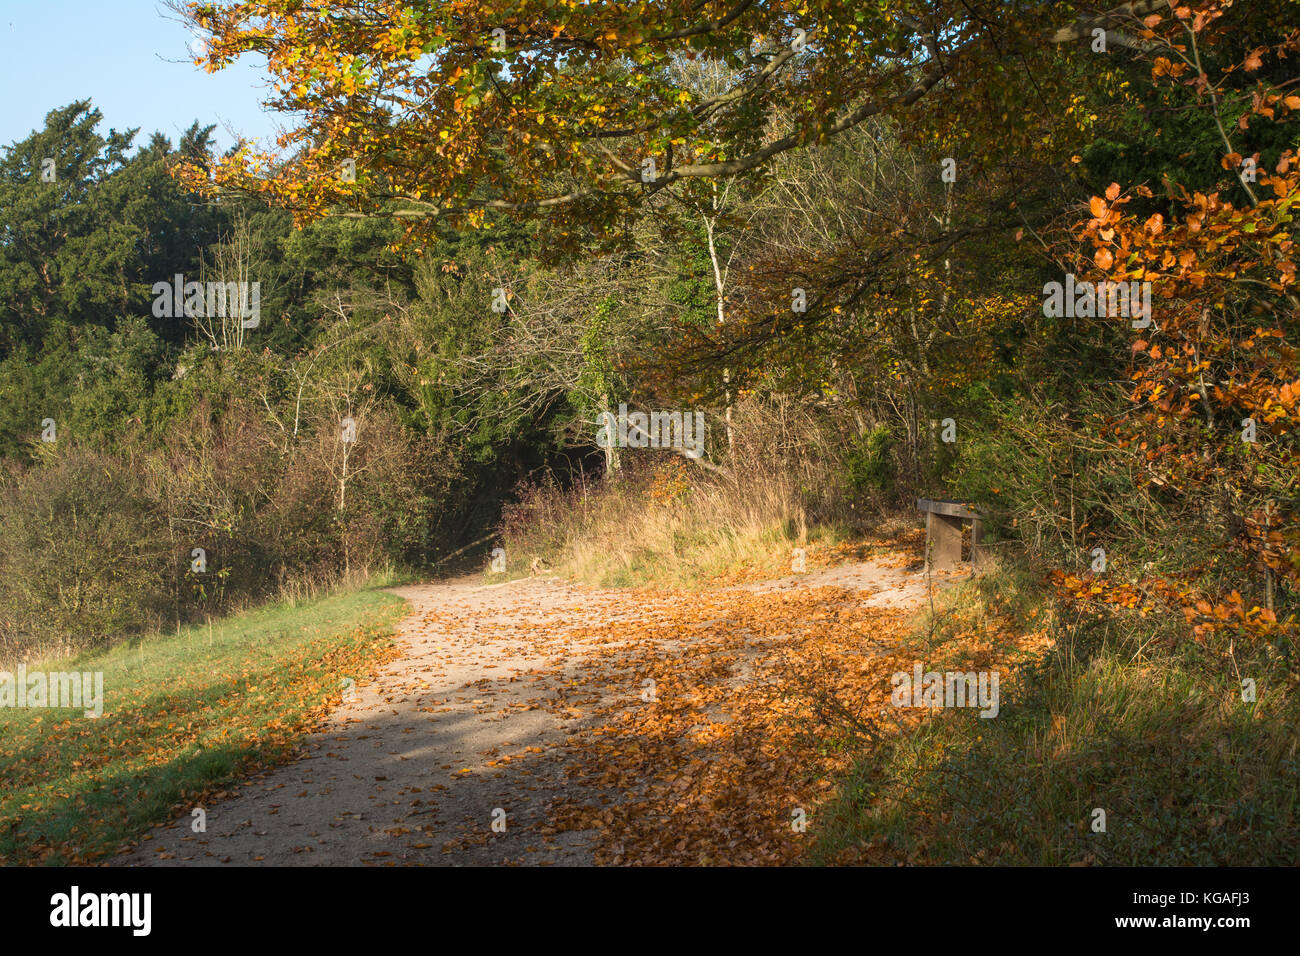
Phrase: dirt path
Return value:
(476, 719)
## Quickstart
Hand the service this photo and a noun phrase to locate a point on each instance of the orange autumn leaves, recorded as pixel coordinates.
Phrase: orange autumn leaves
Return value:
(1215, 380)
(704, 726)
(1233, 613)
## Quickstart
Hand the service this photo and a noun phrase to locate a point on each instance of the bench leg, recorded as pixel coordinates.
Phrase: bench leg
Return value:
(943, 541)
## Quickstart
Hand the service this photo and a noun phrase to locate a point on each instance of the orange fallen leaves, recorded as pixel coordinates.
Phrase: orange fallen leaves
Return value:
(707, 718)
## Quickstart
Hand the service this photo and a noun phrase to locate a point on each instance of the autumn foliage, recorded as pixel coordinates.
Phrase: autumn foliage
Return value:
(1216, 379)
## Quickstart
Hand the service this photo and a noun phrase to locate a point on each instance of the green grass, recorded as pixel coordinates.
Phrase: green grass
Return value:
(1122, 714)
(183, 715)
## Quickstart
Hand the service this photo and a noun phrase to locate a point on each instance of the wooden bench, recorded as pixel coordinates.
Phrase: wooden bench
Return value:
(943, 533)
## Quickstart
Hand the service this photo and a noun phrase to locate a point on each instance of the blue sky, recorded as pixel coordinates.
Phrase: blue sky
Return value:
(130, 58)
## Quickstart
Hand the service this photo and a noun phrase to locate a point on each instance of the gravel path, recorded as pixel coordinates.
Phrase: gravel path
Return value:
(467, 725)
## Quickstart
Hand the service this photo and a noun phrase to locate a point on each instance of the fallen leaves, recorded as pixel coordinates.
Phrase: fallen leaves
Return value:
(713, 768)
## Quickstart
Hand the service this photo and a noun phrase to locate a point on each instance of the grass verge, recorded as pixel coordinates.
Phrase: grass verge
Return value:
(183, 715)
(1120, 713)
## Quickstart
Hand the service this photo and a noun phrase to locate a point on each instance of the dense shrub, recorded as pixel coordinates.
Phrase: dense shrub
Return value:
(869, 464)
(330, 514)
(83, 554)
(97, 546)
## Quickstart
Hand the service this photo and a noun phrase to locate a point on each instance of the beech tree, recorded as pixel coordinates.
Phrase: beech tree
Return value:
(444, 109)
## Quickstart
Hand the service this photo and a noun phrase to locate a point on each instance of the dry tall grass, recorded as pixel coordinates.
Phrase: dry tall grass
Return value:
(663, 518)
